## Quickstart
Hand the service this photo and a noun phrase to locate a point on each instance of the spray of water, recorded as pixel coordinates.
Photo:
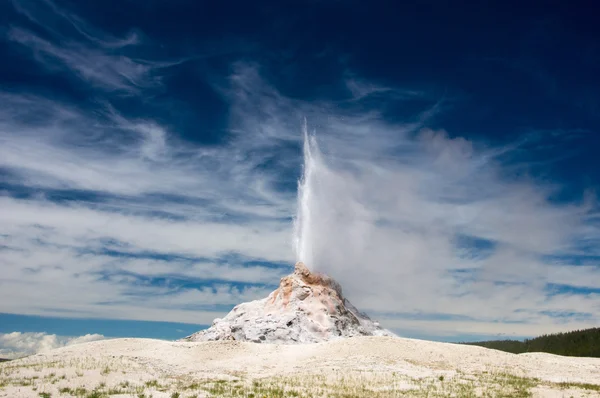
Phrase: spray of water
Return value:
(332, 226)
(304, 222)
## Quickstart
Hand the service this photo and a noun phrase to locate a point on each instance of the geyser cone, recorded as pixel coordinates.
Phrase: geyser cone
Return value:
(307, 307)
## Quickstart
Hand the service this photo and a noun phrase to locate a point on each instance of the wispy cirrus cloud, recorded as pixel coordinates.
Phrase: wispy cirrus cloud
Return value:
(212, 219)
(93, 55)
(54, 19)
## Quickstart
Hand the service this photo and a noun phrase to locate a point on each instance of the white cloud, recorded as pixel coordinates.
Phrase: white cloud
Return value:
(95, 56)
(18, 344)
(49, 15)
(112, 72)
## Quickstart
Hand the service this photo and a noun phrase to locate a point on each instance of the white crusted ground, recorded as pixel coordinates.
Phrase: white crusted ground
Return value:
(306, 308)
(355, 367)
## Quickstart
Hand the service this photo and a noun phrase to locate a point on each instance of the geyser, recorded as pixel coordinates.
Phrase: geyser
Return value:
(307, 307)
(304, 221)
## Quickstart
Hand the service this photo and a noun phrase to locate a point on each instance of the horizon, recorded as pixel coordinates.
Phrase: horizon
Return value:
(151, 155)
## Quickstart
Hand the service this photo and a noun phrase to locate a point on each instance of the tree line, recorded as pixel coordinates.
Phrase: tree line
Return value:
(578, 343)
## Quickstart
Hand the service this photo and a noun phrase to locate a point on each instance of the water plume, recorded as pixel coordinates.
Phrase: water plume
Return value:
(304, 221)
(426, 224)
(332, 224)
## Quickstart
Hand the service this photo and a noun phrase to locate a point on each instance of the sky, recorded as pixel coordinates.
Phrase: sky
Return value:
(150, 153)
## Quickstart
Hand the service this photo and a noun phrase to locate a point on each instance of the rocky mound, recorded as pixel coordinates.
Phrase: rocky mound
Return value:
(306, 308)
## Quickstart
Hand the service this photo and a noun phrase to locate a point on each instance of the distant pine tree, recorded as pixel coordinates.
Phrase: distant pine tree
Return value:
(578, 343)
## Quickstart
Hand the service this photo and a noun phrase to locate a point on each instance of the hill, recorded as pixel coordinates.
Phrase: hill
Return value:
(578, 343)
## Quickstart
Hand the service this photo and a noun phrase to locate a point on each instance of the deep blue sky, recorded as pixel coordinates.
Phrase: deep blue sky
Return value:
(505, 69)
(168, 132)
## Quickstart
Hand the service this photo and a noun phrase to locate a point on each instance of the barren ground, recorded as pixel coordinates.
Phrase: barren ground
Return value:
(355, 367)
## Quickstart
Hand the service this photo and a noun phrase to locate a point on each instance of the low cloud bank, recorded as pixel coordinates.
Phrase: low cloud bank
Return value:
(17, 344)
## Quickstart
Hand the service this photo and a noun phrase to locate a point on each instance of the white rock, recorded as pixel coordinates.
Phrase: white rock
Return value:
(306, 308)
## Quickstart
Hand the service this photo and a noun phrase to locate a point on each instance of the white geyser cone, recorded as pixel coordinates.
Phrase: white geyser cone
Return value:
(306, 308)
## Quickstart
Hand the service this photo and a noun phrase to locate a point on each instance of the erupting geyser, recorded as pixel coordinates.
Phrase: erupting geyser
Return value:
(303, 223)
(307, 307)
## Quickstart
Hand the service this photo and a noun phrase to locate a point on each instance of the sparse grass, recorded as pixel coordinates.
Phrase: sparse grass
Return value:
(339, 384)
(96, 394)
(193, 386)
(35, 366)
(78, 391)
(24, 382)
(581, 386)
(115, 391)
(152, 383)
(371, 384)
(513, 386)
